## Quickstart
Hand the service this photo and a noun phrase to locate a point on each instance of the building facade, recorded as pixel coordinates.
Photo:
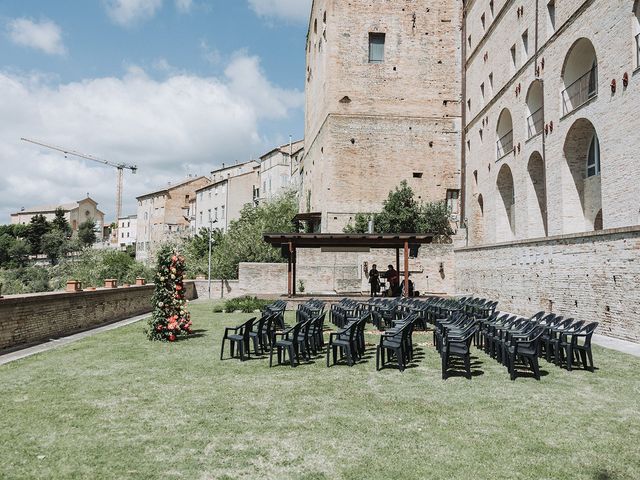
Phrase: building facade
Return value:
(280, 170)
(161, 216)
(76, 213)
(127, 231)
(551, 186)
(231, 189)
(383, 105)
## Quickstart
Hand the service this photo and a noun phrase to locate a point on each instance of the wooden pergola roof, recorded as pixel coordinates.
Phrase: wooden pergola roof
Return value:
(319, 240)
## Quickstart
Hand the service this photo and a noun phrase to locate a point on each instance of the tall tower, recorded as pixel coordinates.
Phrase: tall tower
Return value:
(383, 105)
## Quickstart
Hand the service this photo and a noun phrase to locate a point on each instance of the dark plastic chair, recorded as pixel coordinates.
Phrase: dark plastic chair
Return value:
(457, 346)
(525, 347)
(240, 337)
(288, 343)
(573, 346)
(394, 344)
(345, 341)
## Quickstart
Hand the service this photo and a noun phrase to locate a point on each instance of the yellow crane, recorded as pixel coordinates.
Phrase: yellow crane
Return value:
(119, 166)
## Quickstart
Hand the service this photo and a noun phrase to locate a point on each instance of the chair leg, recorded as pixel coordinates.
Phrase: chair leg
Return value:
(271, 358)
(292, 355)
(328, 354)
(569, 357)
(512, 361)
(536, 367)
(467, 365)
(232, 346)
(222, 348)
(591, 368)
(444, 366)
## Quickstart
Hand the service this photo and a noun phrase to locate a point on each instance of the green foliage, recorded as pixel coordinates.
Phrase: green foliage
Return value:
(19, 253)
(92, 267)
(243, 241)
(170, 315)
(38, 227)
(86, 232)
(245, 304)
(25, 280)
(60, 223)
(401, 213)
(52, 245)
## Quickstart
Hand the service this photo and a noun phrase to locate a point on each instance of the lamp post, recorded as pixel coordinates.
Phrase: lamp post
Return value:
(211, 222)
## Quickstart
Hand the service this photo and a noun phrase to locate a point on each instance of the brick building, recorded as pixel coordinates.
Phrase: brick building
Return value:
(550, 142)
(162, 216)
(383, 104)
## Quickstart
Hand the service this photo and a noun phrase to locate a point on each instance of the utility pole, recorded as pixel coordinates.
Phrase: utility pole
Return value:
(211, 222)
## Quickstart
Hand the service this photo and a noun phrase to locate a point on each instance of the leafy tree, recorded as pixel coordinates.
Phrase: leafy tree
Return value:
(37, 228)
(60, 222)
(20, 230)
(52, 245)
(19, 253)
(401, 213)
(86, 232)
(6, 242)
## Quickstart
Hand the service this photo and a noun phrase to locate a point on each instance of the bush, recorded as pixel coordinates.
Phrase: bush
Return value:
(25, 280)
(245, 304)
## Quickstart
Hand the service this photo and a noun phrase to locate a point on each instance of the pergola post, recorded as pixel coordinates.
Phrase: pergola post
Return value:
(406, 269)
(289, 272)
(294, 260)
(398, 260)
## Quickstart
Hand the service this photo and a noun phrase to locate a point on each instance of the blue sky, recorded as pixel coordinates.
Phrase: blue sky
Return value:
(174, 86)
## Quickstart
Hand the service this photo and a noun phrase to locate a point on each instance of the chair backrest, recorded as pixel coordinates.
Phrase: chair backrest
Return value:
(247, 327)
(588, 330)
(537, 317)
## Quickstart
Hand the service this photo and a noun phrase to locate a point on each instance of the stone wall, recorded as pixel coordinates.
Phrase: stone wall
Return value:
(34, 318)
(589, 276)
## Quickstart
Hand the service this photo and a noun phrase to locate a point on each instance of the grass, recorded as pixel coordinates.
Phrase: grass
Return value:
(115, 406)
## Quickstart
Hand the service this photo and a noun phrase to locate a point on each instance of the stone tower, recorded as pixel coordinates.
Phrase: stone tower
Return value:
(383, 104)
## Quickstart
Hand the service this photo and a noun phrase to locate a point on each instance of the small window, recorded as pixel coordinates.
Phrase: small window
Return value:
(482, 19)
(551, 10)
(452, 201)
(491, 81)
(417, 174)
(593, 158)
(482, 89)
(513, 56)
(469, 104)
(491, 7)
(469, 41)
(525, 43)
(376, 47)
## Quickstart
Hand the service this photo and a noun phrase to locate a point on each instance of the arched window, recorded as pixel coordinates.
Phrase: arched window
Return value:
(636, 34)
(593, 157)
(579, 75)
(504, 134)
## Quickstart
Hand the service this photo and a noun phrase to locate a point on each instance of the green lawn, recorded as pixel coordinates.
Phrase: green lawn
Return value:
(115, 406)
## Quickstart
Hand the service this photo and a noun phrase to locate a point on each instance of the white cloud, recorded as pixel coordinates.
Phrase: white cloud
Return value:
(290, 10)
(171, 127)
(44, 35)
(130, 12)
(184, 6)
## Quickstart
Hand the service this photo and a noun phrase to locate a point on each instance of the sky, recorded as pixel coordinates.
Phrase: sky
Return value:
(176, 87)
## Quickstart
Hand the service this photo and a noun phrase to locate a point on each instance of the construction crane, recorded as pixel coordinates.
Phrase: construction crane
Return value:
(119, 166)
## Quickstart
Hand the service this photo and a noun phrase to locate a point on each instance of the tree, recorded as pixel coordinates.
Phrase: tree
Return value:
(86, 232)
(19, 253)
(401, 213)
(6, 242)
(243, 241)
(60, 222)
(52, 245)
(37, 228)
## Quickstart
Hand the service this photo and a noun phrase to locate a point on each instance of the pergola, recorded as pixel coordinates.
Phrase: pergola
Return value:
(290, 242)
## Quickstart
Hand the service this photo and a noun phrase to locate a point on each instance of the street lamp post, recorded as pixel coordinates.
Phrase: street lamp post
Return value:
(211, 222)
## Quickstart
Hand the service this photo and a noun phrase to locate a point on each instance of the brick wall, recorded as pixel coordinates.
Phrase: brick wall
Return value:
(589, 276)
(29, 319)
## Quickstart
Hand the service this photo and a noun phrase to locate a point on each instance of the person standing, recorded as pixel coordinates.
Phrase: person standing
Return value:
(374, 280)
(393, 277)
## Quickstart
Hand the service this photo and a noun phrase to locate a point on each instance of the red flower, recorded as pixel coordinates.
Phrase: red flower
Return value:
(172, 338)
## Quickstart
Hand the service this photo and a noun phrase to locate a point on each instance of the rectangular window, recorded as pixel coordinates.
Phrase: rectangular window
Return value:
(452, 201)
(525, 43)
(376, 47)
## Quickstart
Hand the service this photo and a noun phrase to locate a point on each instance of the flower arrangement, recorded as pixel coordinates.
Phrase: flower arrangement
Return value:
(170, 314)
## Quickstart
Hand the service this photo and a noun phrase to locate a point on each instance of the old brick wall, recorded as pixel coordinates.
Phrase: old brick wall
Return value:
(29, 319)
(589, 276)
(368, 126)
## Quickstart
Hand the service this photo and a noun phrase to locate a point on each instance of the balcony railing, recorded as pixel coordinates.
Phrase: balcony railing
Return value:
(638, 51)
(504, 145)
(534, 123)
(580, 91)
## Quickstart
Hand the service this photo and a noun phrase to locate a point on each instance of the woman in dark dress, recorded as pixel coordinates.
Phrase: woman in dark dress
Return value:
(374, 280)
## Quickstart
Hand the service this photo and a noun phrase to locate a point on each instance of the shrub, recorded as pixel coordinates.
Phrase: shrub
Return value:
(245, 304)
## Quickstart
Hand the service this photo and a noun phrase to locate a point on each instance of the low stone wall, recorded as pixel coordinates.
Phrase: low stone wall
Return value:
(35, 318)
(591, 277)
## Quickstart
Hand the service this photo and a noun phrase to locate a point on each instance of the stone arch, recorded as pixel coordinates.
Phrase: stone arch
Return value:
(579, 75)
(598, 222)
(636, 33)
(504, 134)
(505, 205)
(536, 197)
(581, 186)
(535, 119)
